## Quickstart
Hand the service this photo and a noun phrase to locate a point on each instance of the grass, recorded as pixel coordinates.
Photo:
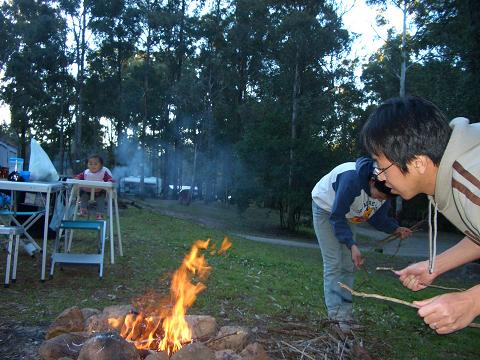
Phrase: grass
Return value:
(254, 284)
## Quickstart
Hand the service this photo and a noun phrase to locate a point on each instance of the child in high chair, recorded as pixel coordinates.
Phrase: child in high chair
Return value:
(95, 172)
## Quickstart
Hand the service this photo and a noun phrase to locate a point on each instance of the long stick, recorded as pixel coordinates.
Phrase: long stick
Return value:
(386, 298)
(394, 236)
(376, 296)
(380, 268)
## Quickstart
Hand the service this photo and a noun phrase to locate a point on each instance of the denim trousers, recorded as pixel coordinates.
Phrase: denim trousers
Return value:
(99, 199)
(337, 266)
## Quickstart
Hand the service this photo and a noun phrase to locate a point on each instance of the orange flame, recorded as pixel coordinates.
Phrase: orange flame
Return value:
(166, 328)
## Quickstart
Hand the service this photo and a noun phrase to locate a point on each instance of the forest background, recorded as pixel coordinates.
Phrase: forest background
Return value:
(251, 101)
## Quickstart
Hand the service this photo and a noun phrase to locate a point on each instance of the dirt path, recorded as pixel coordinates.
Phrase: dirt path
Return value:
(413, 249)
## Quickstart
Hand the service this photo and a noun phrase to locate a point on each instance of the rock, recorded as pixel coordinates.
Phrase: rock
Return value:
(64, 345)
(254, 351)
(195, 351)
(112, 318)
(227, 355)
(230, 337)
(70, 320)
(97, 324)
(87, 312)
(117, 311)
(162, 355)
(107, 347)
(203, 326)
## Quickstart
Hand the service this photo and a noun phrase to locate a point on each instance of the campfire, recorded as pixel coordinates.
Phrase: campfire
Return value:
(153, 327)
(164, 328)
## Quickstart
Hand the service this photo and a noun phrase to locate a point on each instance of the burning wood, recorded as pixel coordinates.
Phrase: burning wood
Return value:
(164, 327)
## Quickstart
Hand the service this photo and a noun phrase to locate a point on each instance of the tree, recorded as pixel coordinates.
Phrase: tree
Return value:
(34, 87)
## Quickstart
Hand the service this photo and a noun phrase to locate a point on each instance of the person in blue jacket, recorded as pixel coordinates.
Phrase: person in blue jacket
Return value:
(350, 194)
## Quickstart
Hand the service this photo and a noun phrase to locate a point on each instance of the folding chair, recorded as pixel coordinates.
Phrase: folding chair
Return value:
(10, 232)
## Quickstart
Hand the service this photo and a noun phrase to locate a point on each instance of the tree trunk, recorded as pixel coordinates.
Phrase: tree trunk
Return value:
(291, 222)
(80, 50)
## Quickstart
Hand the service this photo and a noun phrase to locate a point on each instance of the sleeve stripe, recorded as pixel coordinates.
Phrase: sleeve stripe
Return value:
(465, 191)
(472, 237)
(466, 174)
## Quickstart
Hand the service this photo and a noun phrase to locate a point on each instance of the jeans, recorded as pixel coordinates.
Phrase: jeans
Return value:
(337, 266)
(99, 199)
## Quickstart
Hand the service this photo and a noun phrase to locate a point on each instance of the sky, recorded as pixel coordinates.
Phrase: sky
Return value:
(360, 19)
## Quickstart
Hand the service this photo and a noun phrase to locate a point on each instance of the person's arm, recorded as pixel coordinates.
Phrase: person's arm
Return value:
(107, 176)
(450, 312)
(416, 276)
(345, 193)
(80, 176)
(381, 221)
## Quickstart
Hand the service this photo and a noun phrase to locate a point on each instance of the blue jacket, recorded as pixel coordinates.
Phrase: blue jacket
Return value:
(345, 193)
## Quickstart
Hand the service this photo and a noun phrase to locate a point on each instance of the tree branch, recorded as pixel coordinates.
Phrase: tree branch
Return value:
(390, 299)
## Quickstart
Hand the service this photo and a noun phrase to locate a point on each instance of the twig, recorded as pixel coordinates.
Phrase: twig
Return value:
(386, 298)
(381, 268)
(297, 350)
(376, 296)
(394, 236)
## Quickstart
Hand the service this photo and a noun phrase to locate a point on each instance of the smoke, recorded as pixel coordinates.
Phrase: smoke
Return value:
(129, 160)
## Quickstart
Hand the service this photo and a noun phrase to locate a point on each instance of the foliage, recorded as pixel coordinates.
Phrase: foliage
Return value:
(255, 99)
(244, 288)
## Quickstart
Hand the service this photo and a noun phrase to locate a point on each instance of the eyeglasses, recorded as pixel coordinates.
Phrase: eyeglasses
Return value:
(378, 171)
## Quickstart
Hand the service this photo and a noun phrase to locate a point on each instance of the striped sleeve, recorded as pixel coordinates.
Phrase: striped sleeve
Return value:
(466, 188)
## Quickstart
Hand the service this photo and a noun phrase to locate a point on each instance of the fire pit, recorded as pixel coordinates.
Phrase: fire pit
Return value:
(153, 328)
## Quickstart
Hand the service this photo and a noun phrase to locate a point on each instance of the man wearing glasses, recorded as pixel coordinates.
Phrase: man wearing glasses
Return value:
(418, 152)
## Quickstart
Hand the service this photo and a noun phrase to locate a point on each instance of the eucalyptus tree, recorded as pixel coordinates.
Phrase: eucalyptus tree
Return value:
(33, 84)
(78, 15)
(231, 50)
(176, 32)
(305, 40)
(116, 28)
(451, 35)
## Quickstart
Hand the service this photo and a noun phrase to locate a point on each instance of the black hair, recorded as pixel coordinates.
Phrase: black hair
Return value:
(96, 156)
(404, 127)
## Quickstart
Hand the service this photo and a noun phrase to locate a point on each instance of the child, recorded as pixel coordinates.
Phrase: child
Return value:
(95, 172)
(348, 195)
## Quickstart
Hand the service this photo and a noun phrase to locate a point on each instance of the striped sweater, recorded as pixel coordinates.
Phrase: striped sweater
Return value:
(457, 190)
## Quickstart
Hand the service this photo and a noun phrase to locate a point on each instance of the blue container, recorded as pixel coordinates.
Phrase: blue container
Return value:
(25, 175)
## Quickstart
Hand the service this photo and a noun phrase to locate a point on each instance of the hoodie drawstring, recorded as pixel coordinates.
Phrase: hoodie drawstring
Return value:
(432, 240)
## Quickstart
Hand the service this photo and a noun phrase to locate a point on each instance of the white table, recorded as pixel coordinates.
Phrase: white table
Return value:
(37, 187)
(109, 188)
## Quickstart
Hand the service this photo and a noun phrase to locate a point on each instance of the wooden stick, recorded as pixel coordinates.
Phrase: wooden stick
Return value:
(380, 268)
(386, 298)
(376, 296)
(394, 236)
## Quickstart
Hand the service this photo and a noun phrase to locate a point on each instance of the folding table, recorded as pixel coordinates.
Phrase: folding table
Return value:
(47, 188)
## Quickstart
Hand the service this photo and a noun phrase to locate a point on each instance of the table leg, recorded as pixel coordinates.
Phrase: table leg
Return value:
(45, 236)
(110, 220)
(119, 235)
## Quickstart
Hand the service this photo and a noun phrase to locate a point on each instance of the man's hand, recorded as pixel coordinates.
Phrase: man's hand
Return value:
(356, 256)
(403, 232)
(416, 276)
(450, 312)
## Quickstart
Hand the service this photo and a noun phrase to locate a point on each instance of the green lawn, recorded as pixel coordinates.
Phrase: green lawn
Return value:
(258, 285)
